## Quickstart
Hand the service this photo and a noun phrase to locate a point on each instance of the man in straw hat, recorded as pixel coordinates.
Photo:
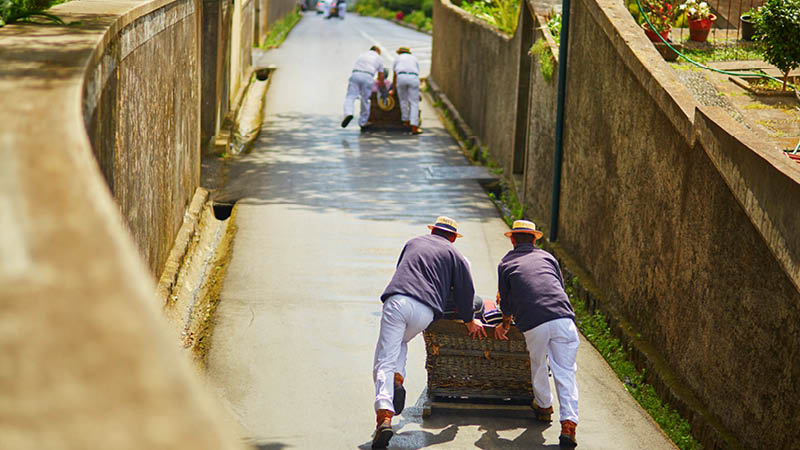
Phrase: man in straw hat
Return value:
(532, 292)
(429, 266)
(360, 84)
(406, 81)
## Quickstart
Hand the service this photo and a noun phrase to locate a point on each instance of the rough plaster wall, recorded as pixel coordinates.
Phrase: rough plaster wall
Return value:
(277, 9)
(149, 149)
(541, 141)
(655, 224)
(87, 360)
(646, 212)
(248, 28)
(476, 68)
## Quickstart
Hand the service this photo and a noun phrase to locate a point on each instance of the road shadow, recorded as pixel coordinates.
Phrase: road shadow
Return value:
(441, 428)
(309, 161)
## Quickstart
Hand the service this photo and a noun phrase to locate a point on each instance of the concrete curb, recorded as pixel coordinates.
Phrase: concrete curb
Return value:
(191, 287)
(176, 256)
(411, 27)
(465, 133)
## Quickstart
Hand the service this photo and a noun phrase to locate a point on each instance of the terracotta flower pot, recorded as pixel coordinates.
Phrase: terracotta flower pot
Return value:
(653, 36)
(699, 29)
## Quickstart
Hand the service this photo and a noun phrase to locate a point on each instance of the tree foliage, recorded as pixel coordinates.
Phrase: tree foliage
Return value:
(19, 10)
(777, 26)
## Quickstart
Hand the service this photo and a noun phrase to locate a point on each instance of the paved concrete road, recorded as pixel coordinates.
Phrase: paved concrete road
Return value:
(323, 213)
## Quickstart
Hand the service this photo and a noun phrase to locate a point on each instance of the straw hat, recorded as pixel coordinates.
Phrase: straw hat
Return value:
(524, 226)
(446, 224)
(403, 49)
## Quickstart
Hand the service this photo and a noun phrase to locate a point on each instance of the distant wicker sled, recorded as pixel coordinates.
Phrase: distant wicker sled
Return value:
(476, 376)
(386, 115)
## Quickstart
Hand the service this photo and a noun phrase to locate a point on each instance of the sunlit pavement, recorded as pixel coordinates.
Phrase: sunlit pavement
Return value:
(322, 215)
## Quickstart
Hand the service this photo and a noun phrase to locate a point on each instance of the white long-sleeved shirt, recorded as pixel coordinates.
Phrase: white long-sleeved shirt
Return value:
(370, 62)
(406, 62)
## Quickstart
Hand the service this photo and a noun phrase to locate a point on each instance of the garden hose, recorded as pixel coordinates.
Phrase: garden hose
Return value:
(690, 60)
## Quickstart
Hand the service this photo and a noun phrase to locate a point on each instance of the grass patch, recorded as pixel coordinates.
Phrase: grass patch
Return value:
(547, 62)
(280, 29)
(724, 53)
(596, 330)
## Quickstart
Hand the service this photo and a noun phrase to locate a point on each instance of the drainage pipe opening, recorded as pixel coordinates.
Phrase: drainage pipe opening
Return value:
(222, 210)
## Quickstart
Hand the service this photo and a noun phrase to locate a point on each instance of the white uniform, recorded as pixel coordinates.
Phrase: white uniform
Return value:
(360, 84)
(558, 340)
(403, 318)
(342, 7)
(406, 68)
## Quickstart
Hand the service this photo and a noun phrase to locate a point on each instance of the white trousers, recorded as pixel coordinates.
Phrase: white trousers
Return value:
(342, 9)
(408, 94)
(402, 319)
(360, 85)
(558, 340)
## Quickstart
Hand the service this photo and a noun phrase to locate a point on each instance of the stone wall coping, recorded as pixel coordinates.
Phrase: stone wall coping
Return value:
(89, 340)
(647, 65)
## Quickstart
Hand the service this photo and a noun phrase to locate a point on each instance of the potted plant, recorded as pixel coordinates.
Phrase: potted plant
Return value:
(660, 13)
(747, 27)
(700, 19)
(778, 34)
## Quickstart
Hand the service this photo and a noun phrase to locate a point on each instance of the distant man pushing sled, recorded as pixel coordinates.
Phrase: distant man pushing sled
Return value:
(428, 267)
(360, 85)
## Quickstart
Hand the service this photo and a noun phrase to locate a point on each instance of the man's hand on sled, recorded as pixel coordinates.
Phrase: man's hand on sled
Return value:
(500, 332)
(475, 329)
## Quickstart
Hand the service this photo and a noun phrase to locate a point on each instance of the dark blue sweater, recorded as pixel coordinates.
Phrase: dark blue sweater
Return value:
(428, 266)
(531, 287)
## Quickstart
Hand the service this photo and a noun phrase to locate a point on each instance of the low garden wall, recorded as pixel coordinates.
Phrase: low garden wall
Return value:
(475, 65)
(100, 139)
(681, 223)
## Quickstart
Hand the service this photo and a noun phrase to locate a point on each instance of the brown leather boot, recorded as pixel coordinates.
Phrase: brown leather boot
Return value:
(383, 432)
(415, 130)
(399, 399)
(542, 414)
(567, 438)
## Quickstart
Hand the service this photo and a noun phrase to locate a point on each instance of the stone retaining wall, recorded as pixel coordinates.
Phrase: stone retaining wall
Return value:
(683, 224)
(105, 109)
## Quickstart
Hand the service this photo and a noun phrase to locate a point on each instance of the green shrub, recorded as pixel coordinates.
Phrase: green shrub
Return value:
(22, 10)
(427, 7)
(777, 31)
(416, 18)
(501, 13)
(407, 6)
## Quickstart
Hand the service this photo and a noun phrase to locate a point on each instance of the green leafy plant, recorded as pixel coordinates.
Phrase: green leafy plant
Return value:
(661, 14)
(280, 29)
(542, 52)
(554, 26)
(502, 14)
(23, 10)
(696, 10)
(419, 20)
(777, 32)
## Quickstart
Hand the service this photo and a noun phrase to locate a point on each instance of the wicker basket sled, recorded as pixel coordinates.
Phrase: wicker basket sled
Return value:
(463, 371)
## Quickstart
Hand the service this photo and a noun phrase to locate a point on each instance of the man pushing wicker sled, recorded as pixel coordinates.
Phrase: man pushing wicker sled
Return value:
(532, 292)
(428, 267)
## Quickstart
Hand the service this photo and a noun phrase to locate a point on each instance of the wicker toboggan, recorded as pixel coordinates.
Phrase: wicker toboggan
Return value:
(462, 367)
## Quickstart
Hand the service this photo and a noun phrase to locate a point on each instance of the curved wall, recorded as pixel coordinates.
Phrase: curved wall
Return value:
(87, 359)
(684, 225)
